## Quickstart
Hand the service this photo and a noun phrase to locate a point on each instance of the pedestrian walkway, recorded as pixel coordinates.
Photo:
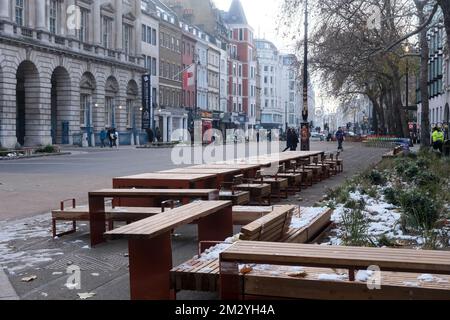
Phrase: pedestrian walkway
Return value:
(42, 268)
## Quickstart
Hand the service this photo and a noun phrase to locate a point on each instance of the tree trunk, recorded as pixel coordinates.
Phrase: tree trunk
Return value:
(402, 118)
(445, 6)
(378, 116)
(425, 116)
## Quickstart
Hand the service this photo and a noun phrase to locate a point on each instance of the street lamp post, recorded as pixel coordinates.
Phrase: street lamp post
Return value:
(305, 130)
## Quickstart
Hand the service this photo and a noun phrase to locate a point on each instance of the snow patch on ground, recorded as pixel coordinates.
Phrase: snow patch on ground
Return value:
(22, 230)
(307, 215)
(383, 219)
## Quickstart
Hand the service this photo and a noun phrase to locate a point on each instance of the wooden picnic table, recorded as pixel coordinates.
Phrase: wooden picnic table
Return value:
(148, 197)
(223, 174)
(150, 248)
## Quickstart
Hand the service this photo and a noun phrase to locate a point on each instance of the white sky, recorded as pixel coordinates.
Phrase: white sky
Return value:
(263, 15)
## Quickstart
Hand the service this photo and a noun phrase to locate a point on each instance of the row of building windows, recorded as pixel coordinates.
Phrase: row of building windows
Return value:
(169, 98)
(169, 42)
(151, 65)
(170, 71)
(149, 35)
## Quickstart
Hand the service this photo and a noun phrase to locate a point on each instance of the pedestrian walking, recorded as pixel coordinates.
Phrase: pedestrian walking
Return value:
(110, 137)
(295, 140)
(340, 138)
(150, 135)
(438, 139)
(257, 136)
(289, 140)
(158, 134)
(103, 137)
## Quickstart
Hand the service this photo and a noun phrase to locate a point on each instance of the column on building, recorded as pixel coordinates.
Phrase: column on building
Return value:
(8, 103)
(119, 25)
(5, 10)
(165, 128)
(138, 28)
(38, 106)
(96, 18)
(40, 15)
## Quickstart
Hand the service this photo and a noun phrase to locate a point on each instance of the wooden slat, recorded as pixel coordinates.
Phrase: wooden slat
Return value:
(157, 225)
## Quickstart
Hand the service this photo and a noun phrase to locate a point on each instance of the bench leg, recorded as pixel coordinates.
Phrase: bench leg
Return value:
(230, 282)
(150, 265)
(97, 219)
(216, 227)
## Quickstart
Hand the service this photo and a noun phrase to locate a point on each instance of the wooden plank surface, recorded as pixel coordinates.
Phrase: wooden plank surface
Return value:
(159, 224)
(165, 176)
(339, 257)
(110, 193)
(189, 170)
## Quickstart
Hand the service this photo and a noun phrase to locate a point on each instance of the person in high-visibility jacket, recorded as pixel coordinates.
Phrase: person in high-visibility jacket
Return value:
(438, 139)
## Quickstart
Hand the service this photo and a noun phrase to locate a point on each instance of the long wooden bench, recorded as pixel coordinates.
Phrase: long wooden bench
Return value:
(202, 272)
(143, 197)
(112, 214)
(150, 248)
(236, 284)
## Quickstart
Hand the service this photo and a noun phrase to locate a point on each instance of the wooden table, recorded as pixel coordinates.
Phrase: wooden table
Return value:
(97, 216)
(247, 169)
(223, 174)
(167, 181)
(150, 248)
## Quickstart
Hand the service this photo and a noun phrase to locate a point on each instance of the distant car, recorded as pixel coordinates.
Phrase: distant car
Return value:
(351, 134)
(317, 136)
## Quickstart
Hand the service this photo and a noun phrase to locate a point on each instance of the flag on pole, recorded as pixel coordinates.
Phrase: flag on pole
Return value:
(188, 77)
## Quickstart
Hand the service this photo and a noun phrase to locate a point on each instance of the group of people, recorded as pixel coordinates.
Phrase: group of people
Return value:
(151, 135)
(111, 135)
(292, 140)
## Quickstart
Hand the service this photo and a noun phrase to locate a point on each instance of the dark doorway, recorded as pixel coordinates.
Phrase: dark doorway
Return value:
(27, 98)
(20, 111)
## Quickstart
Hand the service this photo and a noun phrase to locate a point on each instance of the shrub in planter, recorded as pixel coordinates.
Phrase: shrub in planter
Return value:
(355, 228)
(47, 149)
(392, 196)
(376, 177)
(419, 210)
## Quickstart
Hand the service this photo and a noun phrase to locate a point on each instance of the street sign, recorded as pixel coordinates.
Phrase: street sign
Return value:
(147, 115)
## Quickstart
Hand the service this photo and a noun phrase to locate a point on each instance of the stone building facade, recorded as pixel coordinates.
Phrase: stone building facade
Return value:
(68, 69)
(171, 116)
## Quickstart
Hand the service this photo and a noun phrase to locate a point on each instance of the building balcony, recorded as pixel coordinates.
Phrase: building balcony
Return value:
(63, 42)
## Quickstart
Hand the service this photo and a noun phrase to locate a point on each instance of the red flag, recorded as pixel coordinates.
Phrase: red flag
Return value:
(188, 77)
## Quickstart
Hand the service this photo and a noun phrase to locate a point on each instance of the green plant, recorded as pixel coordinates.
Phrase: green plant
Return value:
(47, 149)
(419, 211)
(355, 228)
(384, 241)
(392, 195)
(376, 177)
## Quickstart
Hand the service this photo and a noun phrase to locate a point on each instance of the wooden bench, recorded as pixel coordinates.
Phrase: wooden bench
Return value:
(298, 168)
(234, 285)
(243, 215)
(279, 186)
(257, 189)
(237, 197)
(112, 214)
(136, 198)
(150, 248)
(202, 272)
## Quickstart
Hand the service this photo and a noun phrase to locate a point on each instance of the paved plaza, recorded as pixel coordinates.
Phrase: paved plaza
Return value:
(31, 188)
